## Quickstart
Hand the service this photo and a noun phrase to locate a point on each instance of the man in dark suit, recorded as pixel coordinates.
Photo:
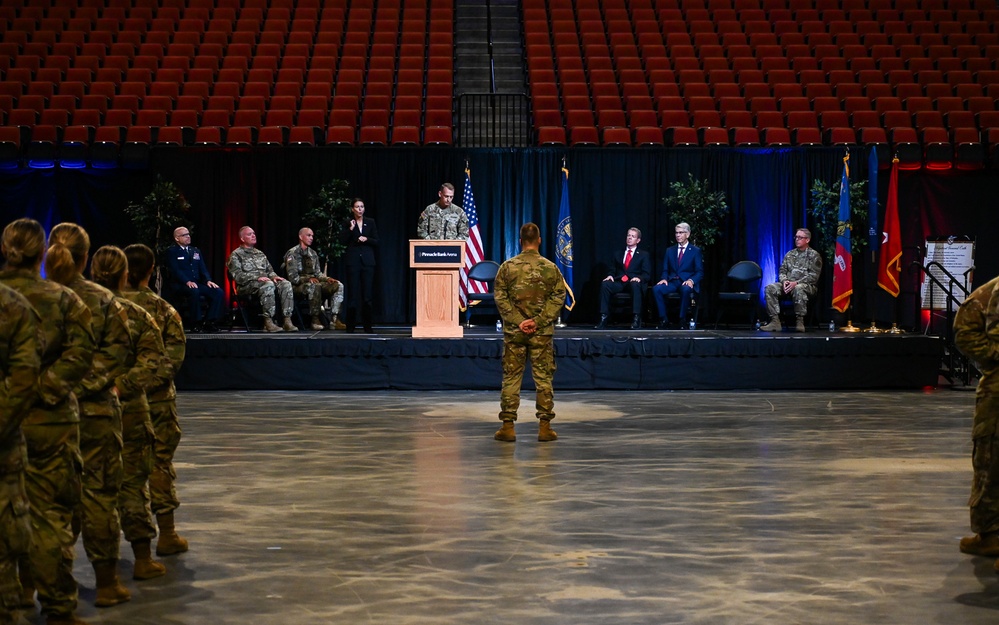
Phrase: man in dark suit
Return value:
(632, 271)
(361, 239)
(189, 280)
(683, 270)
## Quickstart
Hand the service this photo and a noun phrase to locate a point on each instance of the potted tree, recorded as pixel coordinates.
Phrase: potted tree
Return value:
(825, 216)
(694, 202)
(156, 216)
(327, 215)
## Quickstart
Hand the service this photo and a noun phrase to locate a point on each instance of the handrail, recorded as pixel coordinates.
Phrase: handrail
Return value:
(959, 365)
(489, 45)
(493, 120)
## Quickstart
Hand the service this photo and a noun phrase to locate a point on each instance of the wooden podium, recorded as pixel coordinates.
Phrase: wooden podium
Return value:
(437, 265)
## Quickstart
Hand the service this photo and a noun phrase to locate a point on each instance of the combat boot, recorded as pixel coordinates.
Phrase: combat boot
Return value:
(169, 542)
(545, 432)
(145, 566)
(337, 324)
(981, 545)
(317, 324)
(270, 326)
(109, 589)
(288, 325)
(773, 326)
(506, 433)
(799, 324)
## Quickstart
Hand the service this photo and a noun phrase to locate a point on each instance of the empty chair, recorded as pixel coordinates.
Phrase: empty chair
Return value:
(938, 150)
(206, 136)
(741, 288)
(776, 136)
(104, 149)
(969, 151)
(240, 136)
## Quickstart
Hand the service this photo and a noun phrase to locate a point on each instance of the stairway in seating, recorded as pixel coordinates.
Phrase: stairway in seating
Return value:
(489, 56)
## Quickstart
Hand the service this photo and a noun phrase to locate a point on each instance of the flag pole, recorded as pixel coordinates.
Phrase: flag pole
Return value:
(563, 257)
(558, 322)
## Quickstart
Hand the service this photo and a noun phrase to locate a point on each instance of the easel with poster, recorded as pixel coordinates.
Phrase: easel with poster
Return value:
(948, 265)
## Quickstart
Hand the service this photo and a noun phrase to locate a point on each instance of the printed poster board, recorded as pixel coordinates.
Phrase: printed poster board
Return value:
(957, 256)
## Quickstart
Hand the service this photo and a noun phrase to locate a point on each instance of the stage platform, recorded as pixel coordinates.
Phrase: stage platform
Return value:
(587, 359)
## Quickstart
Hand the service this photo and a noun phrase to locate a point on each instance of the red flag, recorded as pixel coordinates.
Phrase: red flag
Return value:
(890, 261)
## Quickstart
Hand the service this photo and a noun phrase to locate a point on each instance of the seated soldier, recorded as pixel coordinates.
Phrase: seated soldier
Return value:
(253, 274)
(797, 278)
(301, 263)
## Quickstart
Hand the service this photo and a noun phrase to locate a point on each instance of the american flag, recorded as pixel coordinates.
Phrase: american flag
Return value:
(473, 245)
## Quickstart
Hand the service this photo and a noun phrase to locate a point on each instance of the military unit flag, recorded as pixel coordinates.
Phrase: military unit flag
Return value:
(563, 241)
(843, 261)
(890, 261)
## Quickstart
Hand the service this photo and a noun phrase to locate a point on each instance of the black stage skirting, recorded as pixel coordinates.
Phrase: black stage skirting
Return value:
(586, 359)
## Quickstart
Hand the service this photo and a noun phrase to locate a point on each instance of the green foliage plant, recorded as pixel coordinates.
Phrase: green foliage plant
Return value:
(705, 210)
(156, 216)
(328, 213)
(825, 217)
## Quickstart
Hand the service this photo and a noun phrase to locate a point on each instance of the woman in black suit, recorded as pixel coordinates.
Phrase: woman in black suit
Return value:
(361, 238)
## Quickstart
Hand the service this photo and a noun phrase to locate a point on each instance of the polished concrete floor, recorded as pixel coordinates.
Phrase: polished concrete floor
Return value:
(399, 508)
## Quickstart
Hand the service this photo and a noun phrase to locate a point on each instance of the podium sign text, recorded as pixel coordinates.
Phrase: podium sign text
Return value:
(437, 265)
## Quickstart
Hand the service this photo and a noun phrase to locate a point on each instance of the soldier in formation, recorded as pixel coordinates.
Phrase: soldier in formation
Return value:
(51, 426)
(19, 366)
(162, 397)
(109, 268)
(976, 334)
(96, 518)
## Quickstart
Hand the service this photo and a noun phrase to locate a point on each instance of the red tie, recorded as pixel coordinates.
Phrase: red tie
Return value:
(680, 256)
(627, 261)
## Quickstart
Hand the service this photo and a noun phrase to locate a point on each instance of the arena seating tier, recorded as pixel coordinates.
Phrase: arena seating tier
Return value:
(916, 78)
(99, 76)
(92, 80)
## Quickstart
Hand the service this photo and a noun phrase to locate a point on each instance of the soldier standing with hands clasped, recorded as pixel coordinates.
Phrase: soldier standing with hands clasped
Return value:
(976, 334)
(530, 292)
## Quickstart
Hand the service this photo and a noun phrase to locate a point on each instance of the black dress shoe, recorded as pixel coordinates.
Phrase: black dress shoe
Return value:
(211, 326)
(602, 324)
(636, 323)
(663, 325)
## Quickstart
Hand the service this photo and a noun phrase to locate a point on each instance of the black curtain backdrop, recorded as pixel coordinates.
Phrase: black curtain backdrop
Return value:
(610, 190)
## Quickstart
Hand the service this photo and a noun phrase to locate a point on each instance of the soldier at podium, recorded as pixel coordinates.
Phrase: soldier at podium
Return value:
(443, 220)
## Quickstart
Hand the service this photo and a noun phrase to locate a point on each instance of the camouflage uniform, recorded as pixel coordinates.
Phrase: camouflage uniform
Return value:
(163, 399)
(52, 434)
(303, 264)
(100, 423)
(146, 371)
(528, 286)
(976, 334)
(20, 346)
(449, 223)
(801, 266)
(246, 264)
